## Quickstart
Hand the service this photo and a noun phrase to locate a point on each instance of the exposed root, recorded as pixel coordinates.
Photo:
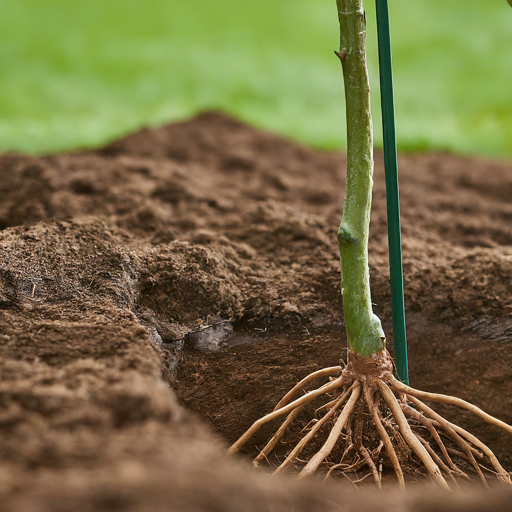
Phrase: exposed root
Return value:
(275, 438)
(434, 455)
(283, 410)
(326, 449)
(454, 436)
(369, 462)
(409, 436)
(305, 440)
(413, 413)
(373, 407)
(450, 427)
(435, 397)
(312, 377)
(382, 435)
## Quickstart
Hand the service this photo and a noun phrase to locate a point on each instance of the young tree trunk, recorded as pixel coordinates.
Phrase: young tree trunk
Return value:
(364, 330)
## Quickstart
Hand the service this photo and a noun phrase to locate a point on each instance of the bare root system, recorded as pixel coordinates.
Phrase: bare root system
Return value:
(368, 419)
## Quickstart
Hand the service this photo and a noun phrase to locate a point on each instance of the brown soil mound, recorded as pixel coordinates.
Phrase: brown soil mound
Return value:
(202, 256)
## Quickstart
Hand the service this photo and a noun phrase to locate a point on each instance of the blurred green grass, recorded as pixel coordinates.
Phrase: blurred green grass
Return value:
(77, 74)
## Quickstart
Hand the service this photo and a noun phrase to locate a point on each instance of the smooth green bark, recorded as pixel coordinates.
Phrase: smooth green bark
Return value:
(364, 330)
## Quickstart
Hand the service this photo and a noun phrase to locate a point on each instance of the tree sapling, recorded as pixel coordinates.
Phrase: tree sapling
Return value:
(364, 400)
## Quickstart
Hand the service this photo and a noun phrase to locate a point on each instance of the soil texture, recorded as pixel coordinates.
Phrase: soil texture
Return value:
(159, 295)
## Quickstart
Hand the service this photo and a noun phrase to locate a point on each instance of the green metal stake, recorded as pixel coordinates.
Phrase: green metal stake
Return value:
(393, 206)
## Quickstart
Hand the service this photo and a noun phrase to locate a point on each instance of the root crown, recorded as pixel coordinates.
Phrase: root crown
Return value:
(378, 366)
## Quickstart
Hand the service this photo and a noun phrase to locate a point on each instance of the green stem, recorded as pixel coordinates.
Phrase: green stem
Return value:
(364, 330)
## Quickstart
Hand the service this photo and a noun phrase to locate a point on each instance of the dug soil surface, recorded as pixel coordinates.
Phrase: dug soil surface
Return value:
(159, 295)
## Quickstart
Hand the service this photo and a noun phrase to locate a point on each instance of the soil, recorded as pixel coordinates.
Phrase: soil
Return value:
(160, 294)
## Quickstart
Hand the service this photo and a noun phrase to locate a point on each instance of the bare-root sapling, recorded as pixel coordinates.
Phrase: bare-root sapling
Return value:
(364, 401)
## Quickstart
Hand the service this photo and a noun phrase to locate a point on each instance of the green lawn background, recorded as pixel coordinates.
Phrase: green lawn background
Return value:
(77, 74)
